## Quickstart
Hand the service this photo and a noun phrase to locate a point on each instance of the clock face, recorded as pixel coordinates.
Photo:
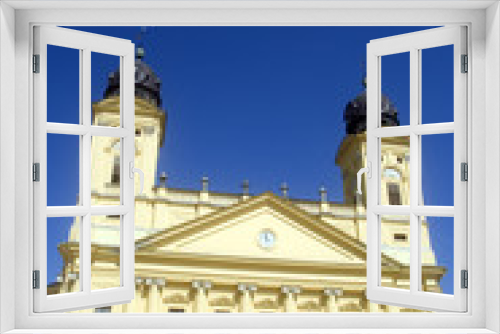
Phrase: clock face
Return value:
(267, 239)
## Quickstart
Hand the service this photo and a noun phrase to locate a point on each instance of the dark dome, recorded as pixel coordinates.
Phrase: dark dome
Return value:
(355, 114)
(147, 84)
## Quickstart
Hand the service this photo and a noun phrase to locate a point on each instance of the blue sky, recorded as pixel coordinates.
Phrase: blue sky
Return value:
(259, 103)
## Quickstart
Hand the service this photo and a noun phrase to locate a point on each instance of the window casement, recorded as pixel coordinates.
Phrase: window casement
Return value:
(413, 209)
(87, 135)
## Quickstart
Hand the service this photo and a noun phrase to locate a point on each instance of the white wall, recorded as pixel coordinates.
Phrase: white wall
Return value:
(492, 164)
(7, 161)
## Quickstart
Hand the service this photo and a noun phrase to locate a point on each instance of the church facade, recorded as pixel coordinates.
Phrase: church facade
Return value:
(205, 251)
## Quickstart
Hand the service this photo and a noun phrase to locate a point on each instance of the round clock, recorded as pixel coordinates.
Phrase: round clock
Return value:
(267, 239)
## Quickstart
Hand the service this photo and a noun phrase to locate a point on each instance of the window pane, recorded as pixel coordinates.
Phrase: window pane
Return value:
(395, 77)
(63, 254)
(63, 85)
(395, 171)
(105, 89)
(63, 170)
(106, 170)
(437, 84)
(395, 243)
(437, 248)
(105, 236)
(437, 169)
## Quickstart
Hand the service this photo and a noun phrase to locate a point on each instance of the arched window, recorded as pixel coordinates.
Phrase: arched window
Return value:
(115, 175)
(394, 194)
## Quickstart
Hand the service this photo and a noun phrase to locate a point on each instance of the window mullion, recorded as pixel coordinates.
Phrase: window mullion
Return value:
(85, 245)
(415, 169)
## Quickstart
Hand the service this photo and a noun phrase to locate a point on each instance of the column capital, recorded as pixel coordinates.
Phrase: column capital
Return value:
(333, 292)
(201, 285)
(149, 281)
(290, 289)
(160, 282)
(246, 287)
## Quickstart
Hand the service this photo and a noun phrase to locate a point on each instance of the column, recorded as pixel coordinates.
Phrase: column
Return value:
(290, 298)
(136, 305)
(201, 300)
(152, 297)
(246, 302)
(124, 308)
(161, 284)
(373, 307)
(393, 309)
(331, 299)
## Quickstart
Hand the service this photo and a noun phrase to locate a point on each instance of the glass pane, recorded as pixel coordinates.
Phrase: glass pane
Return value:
(437, 84)
(63, 85)
(395, 171)
(63, 168)
(106, 170)
(437, 170)
(395, 78)
(105, 89)
(395, 244)
(437, 247)
(105, 234)
(63, 254)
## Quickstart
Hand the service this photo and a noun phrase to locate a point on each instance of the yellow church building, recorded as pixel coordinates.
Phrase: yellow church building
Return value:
(206, 251)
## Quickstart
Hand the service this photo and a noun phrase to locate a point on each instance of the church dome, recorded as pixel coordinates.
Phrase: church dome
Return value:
(147, 83)
(355, 114)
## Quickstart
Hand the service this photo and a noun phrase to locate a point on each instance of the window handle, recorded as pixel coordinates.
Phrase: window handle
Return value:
(368, 171)
(138, 171)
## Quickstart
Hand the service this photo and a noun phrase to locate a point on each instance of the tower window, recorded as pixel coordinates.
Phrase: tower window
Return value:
(400, 237)
(394, 194)
(115, 176)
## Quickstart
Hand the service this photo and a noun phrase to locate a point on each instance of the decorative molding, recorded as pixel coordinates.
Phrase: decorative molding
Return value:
(267, 303)
(309, 305)
(176, 298)
(222, 301)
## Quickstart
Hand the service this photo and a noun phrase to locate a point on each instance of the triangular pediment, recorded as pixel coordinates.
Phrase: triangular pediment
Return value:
(238, 230)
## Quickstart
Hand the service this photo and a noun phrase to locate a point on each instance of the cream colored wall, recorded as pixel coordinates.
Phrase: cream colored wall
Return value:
(240, 237)
(349, 226)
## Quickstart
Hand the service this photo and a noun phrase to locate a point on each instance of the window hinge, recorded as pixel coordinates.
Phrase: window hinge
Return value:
(464, 172)
(465, 279)
(36, 172)
(36, 279)
(36, 63)
(465, 63)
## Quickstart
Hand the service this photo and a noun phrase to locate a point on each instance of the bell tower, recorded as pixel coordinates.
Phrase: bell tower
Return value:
(150, 122)
(394, 174)
(351, 156)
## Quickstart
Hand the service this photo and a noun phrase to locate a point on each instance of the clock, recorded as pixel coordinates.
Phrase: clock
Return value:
(267, 239)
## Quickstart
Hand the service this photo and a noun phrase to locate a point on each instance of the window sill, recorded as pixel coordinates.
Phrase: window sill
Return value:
(249, 331)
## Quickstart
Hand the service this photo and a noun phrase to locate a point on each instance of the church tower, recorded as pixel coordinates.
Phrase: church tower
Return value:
(149, 132)
(395, 153)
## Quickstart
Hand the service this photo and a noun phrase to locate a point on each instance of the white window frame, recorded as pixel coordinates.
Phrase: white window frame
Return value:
(414, 43)
(483, 102)
(85, 43)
